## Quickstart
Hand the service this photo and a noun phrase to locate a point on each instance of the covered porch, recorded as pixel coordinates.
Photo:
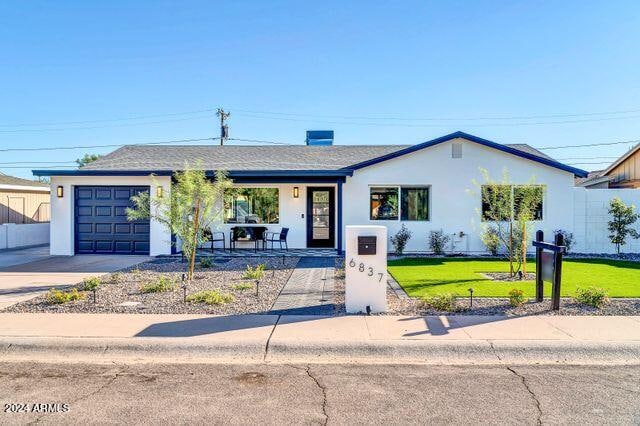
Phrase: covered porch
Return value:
(305, 206)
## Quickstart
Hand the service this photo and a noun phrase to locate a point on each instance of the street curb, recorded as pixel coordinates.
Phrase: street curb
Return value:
(462, 352)
(129, 349)
(450, 352)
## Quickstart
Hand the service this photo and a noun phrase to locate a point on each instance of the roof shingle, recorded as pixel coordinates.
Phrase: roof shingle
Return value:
(245, 158)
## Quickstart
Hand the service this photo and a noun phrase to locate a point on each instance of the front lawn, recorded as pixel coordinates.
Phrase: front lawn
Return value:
(423, 276)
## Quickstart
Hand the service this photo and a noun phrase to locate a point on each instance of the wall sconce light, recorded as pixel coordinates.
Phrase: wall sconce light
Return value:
(159, 192)
(296, 192)
(60, 191)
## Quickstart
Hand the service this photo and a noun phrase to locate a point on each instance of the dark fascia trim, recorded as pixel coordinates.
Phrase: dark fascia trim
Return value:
(101, 172)
(471, 138)
(285, 179)
(275, 174)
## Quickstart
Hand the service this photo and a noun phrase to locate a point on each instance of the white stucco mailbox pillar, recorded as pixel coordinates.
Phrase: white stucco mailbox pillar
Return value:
(365, 268)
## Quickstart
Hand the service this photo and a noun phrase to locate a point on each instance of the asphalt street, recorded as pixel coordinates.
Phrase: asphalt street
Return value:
(317, 394)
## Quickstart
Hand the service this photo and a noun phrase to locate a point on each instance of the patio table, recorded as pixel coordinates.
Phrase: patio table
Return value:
(247, 233)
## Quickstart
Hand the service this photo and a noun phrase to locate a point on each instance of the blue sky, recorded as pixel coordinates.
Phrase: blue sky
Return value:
(433, 67)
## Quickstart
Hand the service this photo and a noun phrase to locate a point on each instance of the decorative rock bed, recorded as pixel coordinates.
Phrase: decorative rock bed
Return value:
(488, 305)
(123, 294)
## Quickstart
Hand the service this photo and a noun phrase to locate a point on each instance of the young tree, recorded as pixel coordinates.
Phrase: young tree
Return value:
(510, 208)
(87, 158)
(623, 217)
(195, 203)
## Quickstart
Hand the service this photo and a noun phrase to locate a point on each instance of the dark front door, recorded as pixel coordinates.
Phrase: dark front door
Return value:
(321, 217)
(101, 224)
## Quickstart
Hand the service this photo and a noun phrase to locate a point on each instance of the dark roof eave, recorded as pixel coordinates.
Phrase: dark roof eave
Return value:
(485, 142)
(232, 173)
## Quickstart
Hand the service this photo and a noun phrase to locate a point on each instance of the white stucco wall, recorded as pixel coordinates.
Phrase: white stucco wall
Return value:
(14, 235)
(455, 201)
(62, 217)
(591, 209)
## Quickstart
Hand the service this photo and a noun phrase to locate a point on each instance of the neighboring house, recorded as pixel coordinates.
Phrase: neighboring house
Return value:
(624, 173)
(314, 190)
(23, 201)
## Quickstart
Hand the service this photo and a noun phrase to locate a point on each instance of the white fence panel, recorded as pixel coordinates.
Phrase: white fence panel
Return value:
(23, 235)
(591, 218)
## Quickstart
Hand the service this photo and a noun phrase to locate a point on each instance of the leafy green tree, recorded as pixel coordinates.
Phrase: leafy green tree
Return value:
(87, 158)
(194, 205)
(509, 208)
(622, 217)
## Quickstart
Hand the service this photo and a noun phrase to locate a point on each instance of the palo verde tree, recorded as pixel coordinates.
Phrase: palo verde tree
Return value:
(622, 217)
(507, 211)
(194, 205)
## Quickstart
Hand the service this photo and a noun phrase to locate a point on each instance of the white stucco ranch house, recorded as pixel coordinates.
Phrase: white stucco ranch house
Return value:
(314, 190)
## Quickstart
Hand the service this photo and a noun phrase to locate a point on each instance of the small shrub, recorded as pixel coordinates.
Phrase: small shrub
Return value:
(592, 296)
(58, 297)
(242, 286)
(516, 297)
(90, 284)
(437, 241)
(400, 240)
(568, 238)
(160, 285)
(206, 262)
(442, 302)
(254, 273)
(116, 278)
(491, 240)
(210, 297)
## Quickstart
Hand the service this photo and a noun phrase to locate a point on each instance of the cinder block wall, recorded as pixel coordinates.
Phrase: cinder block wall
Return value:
(591, 217)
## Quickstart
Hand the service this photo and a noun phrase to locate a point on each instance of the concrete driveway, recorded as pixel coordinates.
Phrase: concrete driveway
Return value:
(25, 274)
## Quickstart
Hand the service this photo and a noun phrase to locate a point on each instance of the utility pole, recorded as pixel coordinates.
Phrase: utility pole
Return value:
(224, 129)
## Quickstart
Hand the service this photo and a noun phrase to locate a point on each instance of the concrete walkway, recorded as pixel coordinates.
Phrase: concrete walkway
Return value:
(19, 256)
(289, 338)
(309, 290)
(21, 281)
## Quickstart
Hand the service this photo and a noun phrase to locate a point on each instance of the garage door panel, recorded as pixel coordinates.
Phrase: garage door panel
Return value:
(101, 221)
(103, 194)
(103, 228)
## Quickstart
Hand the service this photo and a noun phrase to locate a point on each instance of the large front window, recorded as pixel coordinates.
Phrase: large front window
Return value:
(502, 202)
(406, 203)
(252, 205)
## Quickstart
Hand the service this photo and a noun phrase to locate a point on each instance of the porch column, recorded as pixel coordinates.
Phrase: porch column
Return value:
(339, 234)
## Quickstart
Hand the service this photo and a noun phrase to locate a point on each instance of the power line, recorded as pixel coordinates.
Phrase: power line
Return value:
(596, 162)
(460, 124)
(589, 145)
(29, 167)
(261, 141)
(529, 117)
(282, 115)
(60, 129)
(140, 117)
(39, 162)
(104, 146)
(585, 158)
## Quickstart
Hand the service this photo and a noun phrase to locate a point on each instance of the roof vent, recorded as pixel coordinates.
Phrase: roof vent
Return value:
(319, 137)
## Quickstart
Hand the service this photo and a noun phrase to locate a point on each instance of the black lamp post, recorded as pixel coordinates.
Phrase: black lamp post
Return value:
(471, 297)
(184, 289)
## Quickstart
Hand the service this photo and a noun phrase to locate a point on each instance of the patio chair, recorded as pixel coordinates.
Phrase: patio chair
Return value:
(214, 237)
(277, 237)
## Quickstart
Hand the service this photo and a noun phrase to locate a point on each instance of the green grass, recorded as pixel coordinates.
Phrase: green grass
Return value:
(429, 276)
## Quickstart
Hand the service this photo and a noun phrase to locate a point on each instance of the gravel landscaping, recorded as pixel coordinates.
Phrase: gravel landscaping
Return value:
(120, 292)
(488, 305)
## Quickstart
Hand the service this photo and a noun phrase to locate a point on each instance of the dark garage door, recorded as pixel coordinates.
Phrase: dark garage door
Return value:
(101, 224)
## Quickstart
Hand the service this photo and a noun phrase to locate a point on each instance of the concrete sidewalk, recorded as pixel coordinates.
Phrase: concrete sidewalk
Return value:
(272, 338)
